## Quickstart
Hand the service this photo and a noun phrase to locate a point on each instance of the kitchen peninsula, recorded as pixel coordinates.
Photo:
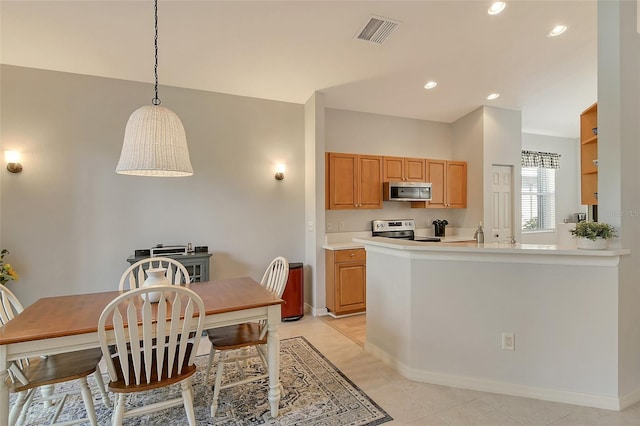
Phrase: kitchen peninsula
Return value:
(530, 320)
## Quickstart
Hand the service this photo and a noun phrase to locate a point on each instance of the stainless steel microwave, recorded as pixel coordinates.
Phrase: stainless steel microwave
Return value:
(406, 191)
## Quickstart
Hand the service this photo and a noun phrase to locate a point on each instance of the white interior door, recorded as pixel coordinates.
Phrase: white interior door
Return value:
(502, 204)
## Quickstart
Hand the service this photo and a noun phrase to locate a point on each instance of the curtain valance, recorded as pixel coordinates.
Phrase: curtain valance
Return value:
(544, 160)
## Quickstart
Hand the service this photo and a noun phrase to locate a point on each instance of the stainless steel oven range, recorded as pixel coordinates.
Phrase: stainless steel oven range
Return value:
(400, 228)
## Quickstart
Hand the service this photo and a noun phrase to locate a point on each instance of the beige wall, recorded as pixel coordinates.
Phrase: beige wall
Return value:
(70, 221)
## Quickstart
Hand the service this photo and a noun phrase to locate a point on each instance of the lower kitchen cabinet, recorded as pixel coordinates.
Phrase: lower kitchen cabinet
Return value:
(346, 275)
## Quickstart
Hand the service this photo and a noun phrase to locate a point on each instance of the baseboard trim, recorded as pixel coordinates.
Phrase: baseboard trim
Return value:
(316, 312)
(344, 315)
(512, 389)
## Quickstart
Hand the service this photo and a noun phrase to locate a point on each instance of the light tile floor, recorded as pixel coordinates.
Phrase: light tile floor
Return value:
(422, 404)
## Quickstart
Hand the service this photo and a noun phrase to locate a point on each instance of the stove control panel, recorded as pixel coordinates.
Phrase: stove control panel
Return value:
(393, 225)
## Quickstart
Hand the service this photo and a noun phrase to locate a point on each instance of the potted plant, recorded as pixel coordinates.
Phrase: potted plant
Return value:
(593, 235)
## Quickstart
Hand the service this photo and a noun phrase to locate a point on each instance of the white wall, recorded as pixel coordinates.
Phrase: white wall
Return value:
(70, 221)
(468, 146)
(618, 171)
(502, 135)
(315, 295)
(438, 318)
(567, 180)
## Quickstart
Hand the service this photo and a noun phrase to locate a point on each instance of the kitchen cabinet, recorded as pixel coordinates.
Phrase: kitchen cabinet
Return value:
(403, 169)
(346, 274)
(589, 156)
(448, 185)
(353, 181)
(197, 264)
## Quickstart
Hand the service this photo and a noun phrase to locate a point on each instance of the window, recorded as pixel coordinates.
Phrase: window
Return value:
(538, 199)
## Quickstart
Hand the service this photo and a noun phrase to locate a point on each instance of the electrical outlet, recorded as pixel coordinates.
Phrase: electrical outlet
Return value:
(341, 225)
(508, 341)
(310, 226)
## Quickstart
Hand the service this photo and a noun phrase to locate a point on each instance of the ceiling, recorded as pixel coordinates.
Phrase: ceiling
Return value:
(287, 50)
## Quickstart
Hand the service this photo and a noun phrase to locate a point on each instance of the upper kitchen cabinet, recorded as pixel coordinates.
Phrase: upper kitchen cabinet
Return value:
(353, 181)
(402, 169)
(448, 185)
(589, 155)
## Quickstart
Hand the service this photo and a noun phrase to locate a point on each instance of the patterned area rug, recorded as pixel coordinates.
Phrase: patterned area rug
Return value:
(316, 393)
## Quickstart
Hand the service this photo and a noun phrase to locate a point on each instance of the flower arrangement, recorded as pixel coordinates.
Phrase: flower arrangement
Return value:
(7, 273)
(593, 230)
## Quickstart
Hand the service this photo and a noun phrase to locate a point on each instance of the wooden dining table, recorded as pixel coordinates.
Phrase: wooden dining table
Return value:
(60, 324)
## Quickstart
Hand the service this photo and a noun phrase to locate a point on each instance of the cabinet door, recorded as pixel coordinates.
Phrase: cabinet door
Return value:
(370, 182)
(393, 169)
(415, 170)
(351, 287)
(456, 184)
(342, 179)
(437, 174)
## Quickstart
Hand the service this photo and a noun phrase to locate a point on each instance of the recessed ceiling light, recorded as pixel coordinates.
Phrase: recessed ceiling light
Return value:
(496, 7)
(430, 84)
(493, 96)
(557, 30)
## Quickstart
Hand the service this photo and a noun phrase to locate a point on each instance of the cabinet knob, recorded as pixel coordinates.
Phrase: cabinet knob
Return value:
(352, 254)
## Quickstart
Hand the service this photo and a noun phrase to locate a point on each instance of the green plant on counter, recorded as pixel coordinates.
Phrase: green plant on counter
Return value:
(593, 230)
(7, 273)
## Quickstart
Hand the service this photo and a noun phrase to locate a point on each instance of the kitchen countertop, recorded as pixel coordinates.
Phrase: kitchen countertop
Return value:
(473, 247)
(349, 245)
(347, 240)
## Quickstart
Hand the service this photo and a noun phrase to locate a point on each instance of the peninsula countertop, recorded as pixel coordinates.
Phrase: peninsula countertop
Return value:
(351, 240)
(495, 248)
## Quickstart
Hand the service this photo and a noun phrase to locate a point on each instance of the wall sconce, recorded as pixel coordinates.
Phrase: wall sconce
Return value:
(13, 161)
(280, 171)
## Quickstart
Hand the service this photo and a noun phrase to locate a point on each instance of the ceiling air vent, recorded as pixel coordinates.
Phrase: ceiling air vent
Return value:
(377, 30)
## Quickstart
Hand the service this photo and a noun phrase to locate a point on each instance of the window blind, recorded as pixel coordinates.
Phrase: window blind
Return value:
(538, 199)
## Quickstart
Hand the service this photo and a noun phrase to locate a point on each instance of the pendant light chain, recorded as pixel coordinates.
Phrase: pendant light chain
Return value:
(156, 100)
(155, 143)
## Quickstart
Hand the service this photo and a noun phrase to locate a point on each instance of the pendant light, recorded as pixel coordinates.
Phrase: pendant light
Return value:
(155, 143)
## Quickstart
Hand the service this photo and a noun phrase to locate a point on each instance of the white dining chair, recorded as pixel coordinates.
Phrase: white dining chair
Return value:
(133, 277)
(225, 340)
(155, 346)
(26, 376)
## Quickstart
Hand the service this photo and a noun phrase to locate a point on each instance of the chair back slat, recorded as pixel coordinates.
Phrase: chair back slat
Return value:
(133, 341)
(274, 280)
(148, 333)
(275, 277)
(174, 330)
(184, 342)
(134, 276)
(121, 345)
(10, 305)
(160, 333)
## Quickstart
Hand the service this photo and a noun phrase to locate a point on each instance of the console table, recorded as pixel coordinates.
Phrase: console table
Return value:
(197, 264)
